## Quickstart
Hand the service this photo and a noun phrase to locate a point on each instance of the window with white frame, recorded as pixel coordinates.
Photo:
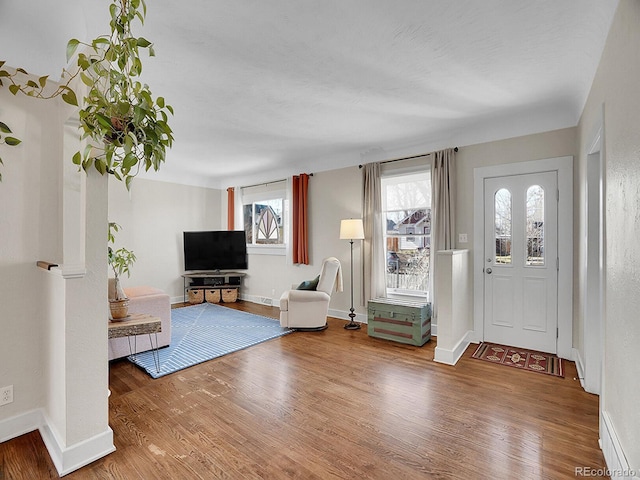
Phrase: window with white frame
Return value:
(406, 204)
(264, 215)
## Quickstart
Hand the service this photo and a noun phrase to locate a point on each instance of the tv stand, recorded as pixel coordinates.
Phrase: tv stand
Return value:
(227, 282)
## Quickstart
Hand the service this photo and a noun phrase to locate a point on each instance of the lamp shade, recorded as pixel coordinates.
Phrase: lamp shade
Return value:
(351, 229)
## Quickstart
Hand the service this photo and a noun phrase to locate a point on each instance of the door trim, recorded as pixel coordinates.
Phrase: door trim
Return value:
(564, 168)
(593, 264)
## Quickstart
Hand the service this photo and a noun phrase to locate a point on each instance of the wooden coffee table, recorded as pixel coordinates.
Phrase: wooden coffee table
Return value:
(138, 324)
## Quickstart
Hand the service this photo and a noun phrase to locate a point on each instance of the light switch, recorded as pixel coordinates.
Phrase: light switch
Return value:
(462, 238)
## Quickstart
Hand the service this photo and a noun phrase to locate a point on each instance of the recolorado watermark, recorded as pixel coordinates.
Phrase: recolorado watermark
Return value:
(604, 472)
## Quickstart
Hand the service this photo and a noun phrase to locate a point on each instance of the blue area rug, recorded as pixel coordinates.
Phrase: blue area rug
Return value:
(202, 332)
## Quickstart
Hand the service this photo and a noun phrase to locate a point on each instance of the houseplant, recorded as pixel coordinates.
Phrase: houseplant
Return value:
(120, 261)
(124, 127)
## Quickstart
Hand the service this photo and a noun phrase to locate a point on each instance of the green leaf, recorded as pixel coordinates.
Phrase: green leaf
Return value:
(127, 181)
(100, 41)
(129, 161)
(2, 62)
(22, 70)
(4, 128)
(87, 151)
(123, 108)
(43, 81)
(143, 42)
(83, 61)
(72, 45)
(77, 158)
(14, 89)
(86, 79)
(104, 120)
(32, 84)
(113, 10)
(70, 97)
(12, 141)
(4, 73)
(160, 102)
(100, 166)
(170, 108)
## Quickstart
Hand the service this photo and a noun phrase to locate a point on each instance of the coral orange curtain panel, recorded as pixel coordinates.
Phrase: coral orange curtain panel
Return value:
(300, 189)
(230, 208)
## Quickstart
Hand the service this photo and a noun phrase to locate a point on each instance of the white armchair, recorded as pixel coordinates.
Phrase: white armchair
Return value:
(307, 309)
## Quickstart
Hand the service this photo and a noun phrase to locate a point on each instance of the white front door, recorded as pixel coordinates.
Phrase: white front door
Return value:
(520, 260)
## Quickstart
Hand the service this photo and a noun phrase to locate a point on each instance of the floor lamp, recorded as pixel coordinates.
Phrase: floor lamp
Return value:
(351, 229)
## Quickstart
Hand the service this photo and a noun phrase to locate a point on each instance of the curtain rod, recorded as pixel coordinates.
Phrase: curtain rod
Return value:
(408, 158)
(269, 183)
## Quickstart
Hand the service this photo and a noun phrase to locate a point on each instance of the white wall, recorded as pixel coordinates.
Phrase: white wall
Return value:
(616, 86)
(27, 198)
(553, 144)
(54, 329)
(333, 195)
(153, 216)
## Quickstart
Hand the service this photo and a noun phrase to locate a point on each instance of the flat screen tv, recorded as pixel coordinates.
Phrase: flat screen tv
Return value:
(215, 250)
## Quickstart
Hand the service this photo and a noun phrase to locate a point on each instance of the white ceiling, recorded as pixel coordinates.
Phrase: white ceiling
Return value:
(264, 89)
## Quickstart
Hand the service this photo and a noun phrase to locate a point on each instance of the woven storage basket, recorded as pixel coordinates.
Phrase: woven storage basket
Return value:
(196, 295)
(212, 295)
(229, 294)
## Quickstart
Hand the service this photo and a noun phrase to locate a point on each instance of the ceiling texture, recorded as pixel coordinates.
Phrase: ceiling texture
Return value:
(265, 89)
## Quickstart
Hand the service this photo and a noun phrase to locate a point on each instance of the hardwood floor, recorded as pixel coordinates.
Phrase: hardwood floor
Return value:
(335, 404)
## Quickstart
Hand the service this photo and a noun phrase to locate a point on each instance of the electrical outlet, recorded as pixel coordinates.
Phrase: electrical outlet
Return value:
(6, 395)
(462, 238)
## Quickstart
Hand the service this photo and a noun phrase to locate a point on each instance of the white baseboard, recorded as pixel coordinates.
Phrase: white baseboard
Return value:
(66, 459)
(617, 464)
(271, 302)
(20, 424)
(179, 299)
(451, 357)
(579, 366)
(360, 317)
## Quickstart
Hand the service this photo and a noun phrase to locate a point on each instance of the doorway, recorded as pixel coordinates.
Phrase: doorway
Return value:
(520, 255)
(553, 333)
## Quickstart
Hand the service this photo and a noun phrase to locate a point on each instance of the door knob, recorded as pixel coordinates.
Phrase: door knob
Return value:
(488, 270)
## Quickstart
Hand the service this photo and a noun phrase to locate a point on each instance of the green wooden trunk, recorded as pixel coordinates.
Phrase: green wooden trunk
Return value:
(404, 321)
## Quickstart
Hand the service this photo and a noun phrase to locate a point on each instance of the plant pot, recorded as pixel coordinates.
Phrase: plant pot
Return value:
(119, 309)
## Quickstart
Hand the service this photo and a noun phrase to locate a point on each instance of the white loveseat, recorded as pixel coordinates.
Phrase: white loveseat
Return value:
(151, 301)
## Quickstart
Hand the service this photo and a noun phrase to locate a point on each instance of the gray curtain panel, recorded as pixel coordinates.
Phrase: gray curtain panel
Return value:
(373, 261)
(442, 211)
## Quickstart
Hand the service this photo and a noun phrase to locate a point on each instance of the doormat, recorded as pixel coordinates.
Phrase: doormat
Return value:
(520, 358)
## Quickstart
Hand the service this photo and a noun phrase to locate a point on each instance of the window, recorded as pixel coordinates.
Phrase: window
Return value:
(406, 204)
(264, 216)
(263, 222)
(502, 207)
(535, 226)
